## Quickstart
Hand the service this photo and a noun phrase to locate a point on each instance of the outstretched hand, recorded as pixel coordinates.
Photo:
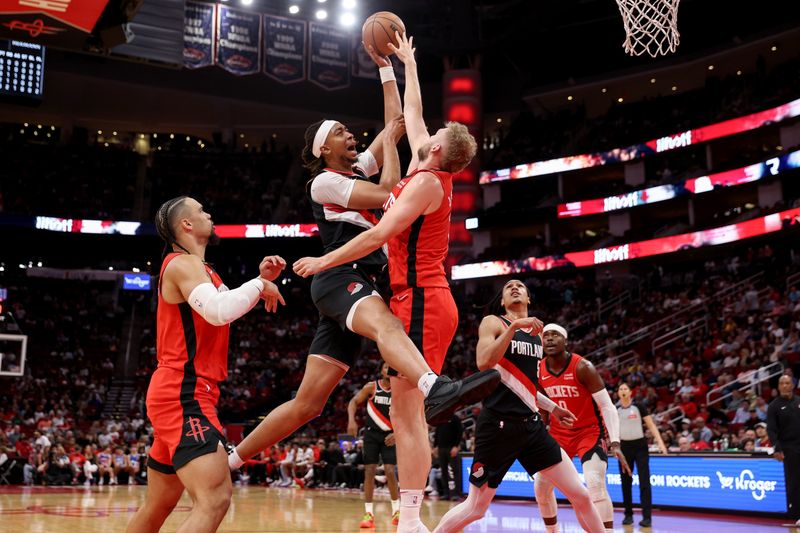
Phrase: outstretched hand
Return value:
(405, 49)
(307, 266)
(381, 61)
(271, 267)
(271, 296)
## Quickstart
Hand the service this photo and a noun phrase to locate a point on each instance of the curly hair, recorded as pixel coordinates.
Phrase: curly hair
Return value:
(311, 162)
(461, 148)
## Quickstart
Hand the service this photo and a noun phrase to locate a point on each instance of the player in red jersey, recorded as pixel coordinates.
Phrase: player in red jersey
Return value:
(573, 383)
(194, 312)
(416, 226)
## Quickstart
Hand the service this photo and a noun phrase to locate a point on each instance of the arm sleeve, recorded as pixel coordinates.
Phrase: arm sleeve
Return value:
(609, 412)
(544, 402)
(367, 164)
(772, 426)
(220, 308)
(332, 188)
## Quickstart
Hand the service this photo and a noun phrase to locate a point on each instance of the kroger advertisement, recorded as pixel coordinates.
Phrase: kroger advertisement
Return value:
(660, 193)
(729, 484)
(638, 151)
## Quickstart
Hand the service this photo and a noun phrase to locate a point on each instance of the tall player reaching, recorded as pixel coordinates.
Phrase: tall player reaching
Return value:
(574, 384)
(509, 427)
(194, 312)
(350, 307)
(416, 226)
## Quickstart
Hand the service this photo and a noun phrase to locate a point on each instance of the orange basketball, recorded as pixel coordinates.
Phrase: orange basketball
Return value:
(378, 31)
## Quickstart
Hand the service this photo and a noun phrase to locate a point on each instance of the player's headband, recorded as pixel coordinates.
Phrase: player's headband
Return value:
(322, 134)
(556, 328)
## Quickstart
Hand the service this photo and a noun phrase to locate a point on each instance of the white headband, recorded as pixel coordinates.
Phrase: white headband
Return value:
(322, 134)
(556, 328)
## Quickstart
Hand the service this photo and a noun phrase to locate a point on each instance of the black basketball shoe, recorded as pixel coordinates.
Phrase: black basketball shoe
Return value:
(446, 395)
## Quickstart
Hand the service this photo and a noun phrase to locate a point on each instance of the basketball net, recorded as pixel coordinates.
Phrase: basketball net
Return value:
(651, 26)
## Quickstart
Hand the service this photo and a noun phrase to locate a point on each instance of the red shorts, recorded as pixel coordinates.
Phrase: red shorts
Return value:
(582, 443)
(430, 317)
(182, 410)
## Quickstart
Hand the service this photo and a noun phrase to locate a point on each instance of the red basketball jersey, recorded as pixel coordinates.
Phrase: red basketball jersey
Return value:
(566, 391)
(185, 341)
(417, 255)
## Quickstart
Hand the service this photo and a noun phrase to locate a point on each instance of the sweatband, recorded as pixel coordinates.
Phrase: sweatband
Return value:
(556, 328)
(387, 74)
(544, 402)
(220, 308)
(322, 134)
(609, 412)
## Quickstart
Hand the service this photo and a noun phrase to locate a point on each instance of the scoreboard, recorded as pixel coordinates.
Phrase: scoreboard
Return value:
(21, 69)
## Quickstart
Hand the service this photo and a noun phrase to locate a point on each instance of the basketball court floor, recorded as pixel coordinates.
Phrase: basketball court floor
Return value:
(256, 509)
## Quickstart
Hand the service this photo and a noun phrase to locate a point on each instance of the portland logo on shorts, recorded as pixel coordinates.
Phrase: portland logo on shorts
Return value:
(477, 470)
(354, 287)
(196, 429)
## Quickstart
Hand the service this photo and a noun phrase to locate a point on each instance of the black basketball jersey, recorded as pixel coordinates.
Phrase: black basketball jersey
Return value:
(378, 409)
(519, 373)
(338, 224)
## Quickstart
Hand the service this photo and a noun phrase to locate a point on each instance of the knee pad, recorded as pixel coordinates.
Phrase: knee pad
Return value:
(594, 473)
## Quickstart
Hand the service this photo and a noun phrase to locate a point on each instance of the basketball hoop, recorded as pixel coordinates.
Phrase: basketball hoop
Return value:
(651, 26)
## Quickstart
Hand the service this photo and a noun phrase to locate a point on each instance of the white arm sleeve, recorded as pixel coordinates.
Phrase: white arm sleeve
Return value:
(544, 402)
(220, 308)
(609, 412)
(332, 188)
(367, 164)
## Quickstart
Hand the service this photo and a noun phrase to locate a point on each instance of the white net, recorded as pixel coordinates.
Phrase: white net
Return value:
(651, 26)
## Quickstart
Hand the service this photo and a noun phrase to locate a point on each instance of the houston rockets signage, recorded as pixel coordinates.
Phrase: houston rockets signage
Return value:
(50, 22)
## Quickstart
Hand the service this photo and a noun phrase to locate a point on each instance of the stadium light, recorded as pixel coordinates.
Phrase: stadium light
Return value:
(247, 2)
(321, 14)
(294, 10)
(349, 4)
(347, 19)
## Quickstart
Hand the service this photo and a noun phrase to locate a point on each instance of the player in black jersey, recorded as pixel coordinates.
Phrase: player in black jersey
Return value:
(343, 199)
(378, 441)
(509, 427)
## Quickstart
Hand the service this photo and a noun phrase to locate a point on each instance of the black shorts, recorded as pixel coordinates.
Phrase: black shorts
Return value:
(499, 442)
(375, 446)
(334, 293)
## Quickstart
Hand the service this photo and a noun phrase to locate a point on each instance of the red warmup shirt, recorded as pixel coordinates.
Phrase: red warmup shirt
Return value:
(417, 255)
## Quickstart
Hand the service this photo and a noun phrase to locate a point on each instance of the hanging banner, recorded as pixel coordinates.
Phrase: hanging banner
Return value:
(199, 34)
(238, 41)
(330, 57)
(284, 49)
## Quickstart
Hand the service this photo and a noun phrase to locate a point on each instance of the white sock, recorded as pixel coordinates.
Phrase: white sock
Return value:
(368, 507)
(395, 506)
(234, 461)
(410, 502)
(609, 530)
(551, 528)
(426, 382)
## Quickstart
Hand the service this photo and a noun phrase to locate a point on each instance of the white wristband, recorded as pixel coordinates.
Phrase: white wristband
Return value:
(386, 74)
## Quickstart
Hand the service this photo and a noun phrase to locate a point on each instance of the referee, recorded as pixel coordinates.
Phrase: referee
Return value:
(783, 427)
(634, 448)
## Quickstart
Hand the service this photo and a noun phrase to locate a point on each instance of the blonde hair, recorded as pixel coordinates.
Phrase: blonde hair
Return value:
(461, 148)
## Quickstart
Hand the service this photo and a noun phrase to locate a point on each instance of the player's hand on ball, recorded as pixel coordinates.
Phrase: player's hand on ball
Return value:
(564, 416)
(616, 452)
(381, 61)
(404, 52)
(307, 266)
(271, 296)
(271, 267)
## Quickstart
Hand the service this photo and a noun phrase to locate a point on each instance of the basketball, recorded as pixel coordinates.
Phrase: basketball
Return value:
(378, 31)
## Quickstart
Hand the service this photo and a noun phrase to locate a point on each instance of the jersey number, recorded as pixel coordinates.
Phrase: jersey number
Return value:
(562, 404)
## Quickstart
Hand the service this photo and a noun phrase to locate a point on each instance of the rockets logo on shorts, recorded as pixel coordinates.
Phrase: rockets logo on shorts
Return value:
(354, 287)
(196, 429)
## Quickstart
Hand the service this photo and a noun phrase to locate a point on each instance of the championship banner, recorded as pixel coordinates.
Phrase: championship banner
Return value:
(199, 35)
(330, 57)
(50, 22)
(284, 49)
(238, 41)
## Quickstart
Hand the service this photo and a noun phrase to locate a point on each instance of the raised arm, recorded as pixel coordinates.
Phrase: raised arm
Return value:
(412, 106)
(494, 338)
(392, 106)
